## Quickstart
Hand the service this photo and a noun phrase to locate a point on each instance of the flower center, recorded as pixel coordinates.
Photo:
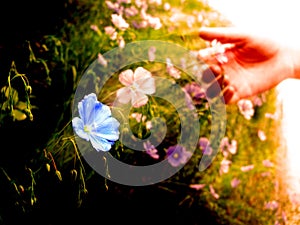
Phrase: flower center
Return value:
(87, 129)
(134, 86)
(175, 155)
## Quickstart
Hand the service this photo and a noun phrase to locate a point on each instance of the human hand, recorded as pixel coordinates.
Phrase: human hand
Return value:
(254, 63)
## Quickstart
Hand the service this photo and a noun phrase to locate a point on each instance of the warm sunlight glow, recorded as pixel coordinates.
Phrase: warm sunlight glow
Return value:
(274, 18)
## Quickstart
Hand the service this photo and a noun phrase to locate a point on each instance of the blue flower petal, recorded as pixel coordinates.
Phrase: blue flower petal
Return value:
(102, 112)
(100, 144)
(109, 129)
(78, 127)
(88, 108)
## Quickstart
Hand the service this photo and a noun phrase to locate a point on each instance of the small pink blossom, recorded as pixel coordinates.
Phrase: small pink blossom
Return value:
(235, 182)
(172, 70)
(257, 100)
(227, 147)
(102, 60)
(272, 205)
(138, 85)
(153, 22)
(266, 174)
(213, 192)
(114, 6)
(274, 116)
(111, 32)
(138, 117)
(197, 186)
(131, 11)
(151, 53)
(247, 168)
(267, 163)
(155, 2)
(151, 150)
(119, 21)
(261, 135)
(124, 1)
(167, 6)
(149, 125)
(225, 165)
(190, 21)
(215, 52)
(246, 108)
(94, 28)
(121, 42)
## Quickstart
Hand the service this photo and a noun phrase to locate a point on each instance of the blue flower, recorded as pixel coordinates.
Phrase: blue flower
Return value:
(95, 123)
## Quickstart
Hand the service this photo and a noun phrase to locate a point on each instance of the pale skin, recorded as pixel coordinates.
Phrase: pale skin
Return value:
(255, 63)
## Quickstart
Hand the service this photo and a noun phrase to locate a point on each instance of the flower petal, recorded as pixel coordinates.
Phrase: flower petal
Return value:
(78, 127)
(102, 112)
(100, 144)
(138, 99)
(126, 77)
(124, 95)
(109, 129)
(146, 85)
(86, 108)
(141, 73)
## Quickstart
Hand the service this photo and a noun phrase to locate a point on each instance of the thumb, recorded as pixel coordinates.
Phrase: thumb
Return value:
(222, 34)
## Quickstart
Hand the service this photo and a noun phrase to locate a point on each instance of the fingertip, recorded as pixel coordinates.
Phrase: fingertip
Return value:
(229, 95)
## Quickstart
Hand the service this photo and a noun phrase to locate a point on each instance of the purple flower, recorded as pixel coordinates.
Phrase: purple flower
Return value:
(204, 146)
(196, 92)
(177, 155)
(151, 150)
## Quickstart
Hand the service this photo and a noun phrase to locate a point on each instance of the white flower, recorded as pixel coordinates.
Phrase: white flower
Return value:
(119, 21)
(246, 108)
(138, 85)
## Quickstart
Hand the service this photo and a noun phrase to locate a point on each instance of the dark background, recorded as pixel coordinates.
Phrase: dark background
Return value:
(29, 21)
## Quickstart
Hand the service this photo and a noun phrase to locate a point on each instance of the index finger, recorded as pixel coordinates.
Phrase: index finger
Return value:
(222, 34)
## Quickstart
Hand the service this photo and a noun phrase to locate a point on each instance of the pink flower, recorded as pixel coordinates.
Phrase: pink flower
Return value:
(94, 28)
(246, 108)
(247, 168)
(216, 51)
(167, 6)
(172, 70)
(197, 186)
(261, 134)
(111, 32)
(225, 165)
(131, 11)
(138, 117)
(121, 42)
(138, 84)
(274, 116)
(151, 53)
(213, 192)
(235, 182)
(228, 147)
(119, 21)
(267, 163)
(151, 150)
(272, 205)
(102, 60)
